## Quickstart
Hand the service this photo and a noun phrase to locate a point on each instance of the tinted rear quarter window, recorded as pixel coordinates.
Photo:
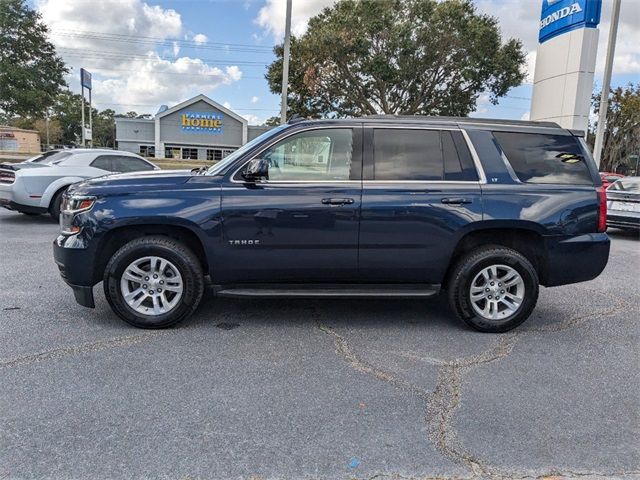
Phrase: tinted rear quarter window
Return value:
(543, 158)
(103, 162)
(129, 164)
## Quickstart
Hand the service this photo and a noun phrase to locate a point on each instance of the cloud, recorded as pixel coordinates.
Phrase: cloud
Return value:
(271, 17)
(253, 119)
(200, 38)
(525, 115)
(154, 81)
(234, 73)
(255, 99)
(125, 44)
(226, 105)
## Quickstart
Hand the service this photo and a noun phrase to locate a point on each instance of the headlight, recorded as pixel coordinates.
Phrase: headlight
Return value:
(76, 204)
(71, 206)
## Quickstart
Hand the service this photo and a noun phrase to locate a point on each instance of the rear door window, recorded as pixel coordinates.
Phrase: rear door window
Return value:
(544, 158)
(400, 154)
(421, 155)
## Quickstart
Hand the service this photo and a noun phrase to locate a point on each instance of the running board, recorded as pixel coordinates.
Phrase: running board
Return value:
(328, 290)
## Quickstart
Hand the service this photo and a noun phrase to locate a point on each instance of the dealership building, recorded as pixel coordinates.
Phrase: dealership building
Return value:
(197, 129)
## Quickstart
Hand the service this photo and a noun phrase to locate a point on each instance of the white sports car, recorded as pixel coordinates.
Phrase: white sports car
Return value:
(36, 185)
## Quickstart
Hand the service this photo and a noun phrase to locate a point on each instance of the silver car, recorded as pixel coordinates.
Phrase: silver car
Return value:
(623, 203)
(36, 185)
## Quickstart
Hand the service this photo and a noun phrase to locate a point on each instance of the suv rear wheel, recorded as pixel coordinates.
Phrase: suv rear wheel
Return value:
(154, 282)
(493, 289)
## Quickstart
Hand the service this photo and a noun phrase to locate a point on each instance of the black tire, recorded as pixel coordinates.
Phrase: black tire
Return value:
(56, 203)
(170, 249)
(470, 265)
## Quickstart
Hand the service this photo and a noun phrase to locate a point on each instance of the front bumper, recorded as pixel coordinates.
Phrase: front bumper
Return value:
(76, 267)
(575, 259)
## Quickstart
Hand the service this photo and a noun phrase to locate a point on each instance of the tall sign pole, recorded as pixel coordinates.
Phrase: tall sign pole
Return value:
(83, 124)
(285, 64)
(606, 82)
(85, 82)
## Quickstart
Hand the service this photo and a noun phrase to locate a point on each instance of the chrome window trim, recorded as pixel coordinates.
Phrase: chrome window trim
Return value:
(270, 144)
(473, 182)
(475, 157)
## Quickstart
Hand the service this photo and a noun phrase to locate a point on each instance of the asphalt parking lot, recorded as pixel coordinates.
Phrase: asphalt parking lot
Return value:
(262, 389)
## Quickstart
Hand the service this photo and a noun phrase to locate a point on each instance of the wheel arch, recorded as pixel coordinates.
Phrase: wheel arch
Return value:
(56, 186)
(116, 237)
(527, 238)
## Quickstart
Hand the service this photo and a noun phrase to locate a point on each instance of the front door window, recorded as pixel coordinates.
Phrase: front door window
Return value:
(316, 155)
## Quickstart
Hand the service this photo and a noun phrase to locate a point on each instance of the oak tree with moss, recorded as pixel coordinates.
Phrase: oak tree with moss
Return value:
(409, 57)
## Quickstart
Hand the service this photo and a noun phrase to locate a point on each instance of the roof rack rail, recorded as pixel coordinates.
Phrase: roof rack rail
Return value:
(469, 120)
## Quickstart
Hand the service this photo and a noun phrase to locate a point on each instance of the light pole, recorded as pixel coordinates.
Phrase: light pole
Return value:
(606, 82)
(285, 64)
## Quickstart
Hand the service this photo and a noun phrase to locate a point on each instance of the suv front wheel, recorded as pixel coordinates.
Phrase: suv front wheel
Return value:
(493, 289)
(154, 282)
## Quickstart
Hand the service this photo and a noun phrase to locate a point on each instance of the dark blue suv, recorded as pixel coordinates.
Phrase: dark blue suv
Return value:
(485, 210)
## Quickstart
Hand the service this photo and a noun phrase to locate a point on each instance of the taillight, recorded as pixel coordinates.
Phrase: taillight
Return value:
(602, 209)
(7, 177)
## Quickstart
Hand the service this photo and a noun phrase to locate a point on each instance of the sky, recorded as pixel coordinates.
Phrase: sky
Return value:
(145, 53)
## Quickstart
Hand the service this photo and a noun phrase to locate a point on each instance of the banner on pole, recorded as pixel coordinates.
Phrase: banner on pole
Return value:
(85, 79)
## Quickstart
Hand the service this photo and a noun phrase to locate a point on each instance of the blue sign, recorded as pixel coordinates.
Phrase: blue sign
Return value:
(201, 122)
(561, 16)
(85, 78)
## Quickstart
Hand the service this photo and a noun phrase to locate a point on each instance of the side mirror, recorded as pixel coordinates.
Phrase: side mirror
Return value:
(257, 169)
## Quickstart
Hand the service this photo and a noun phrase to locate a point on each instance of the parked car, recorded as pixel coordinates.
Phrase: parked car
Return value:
(623, 204)
(36, 185)
(608, 178)
(485, 210)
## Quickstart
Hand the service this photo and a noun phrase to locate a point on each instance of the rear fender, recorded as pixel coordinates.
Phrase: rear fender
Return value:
(55, 187)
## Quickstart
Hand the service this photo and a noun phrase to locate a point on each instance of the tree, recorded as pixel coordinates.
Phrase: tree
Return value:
(400, 57)
(622, 132)
(104, 129)
(67, 109)
(31, 74)
(272, 121)
(54, 128)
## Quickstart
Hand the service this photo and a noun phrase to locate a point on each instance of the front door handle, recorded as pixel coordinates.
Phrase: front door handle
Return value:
(455, 200)
(337, 201)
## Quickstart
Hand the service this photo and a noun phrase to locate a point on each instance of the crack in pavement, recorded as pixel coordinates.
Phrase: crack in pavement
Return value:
(442, 403)
(79, 349)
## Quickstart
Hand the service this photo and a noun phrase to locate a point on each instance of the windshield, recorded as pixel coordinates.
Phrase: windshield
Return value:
(221, 165)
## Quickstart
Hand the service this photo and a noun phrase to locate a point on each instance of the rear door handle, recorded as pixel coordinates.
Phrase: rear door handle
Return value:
(455, 200)
(337, 201)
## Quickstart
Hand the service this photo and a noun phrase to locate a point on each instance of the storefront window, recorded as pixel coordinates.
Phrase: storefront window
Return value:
(189, 153)
(214, 154)
(147, 150)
